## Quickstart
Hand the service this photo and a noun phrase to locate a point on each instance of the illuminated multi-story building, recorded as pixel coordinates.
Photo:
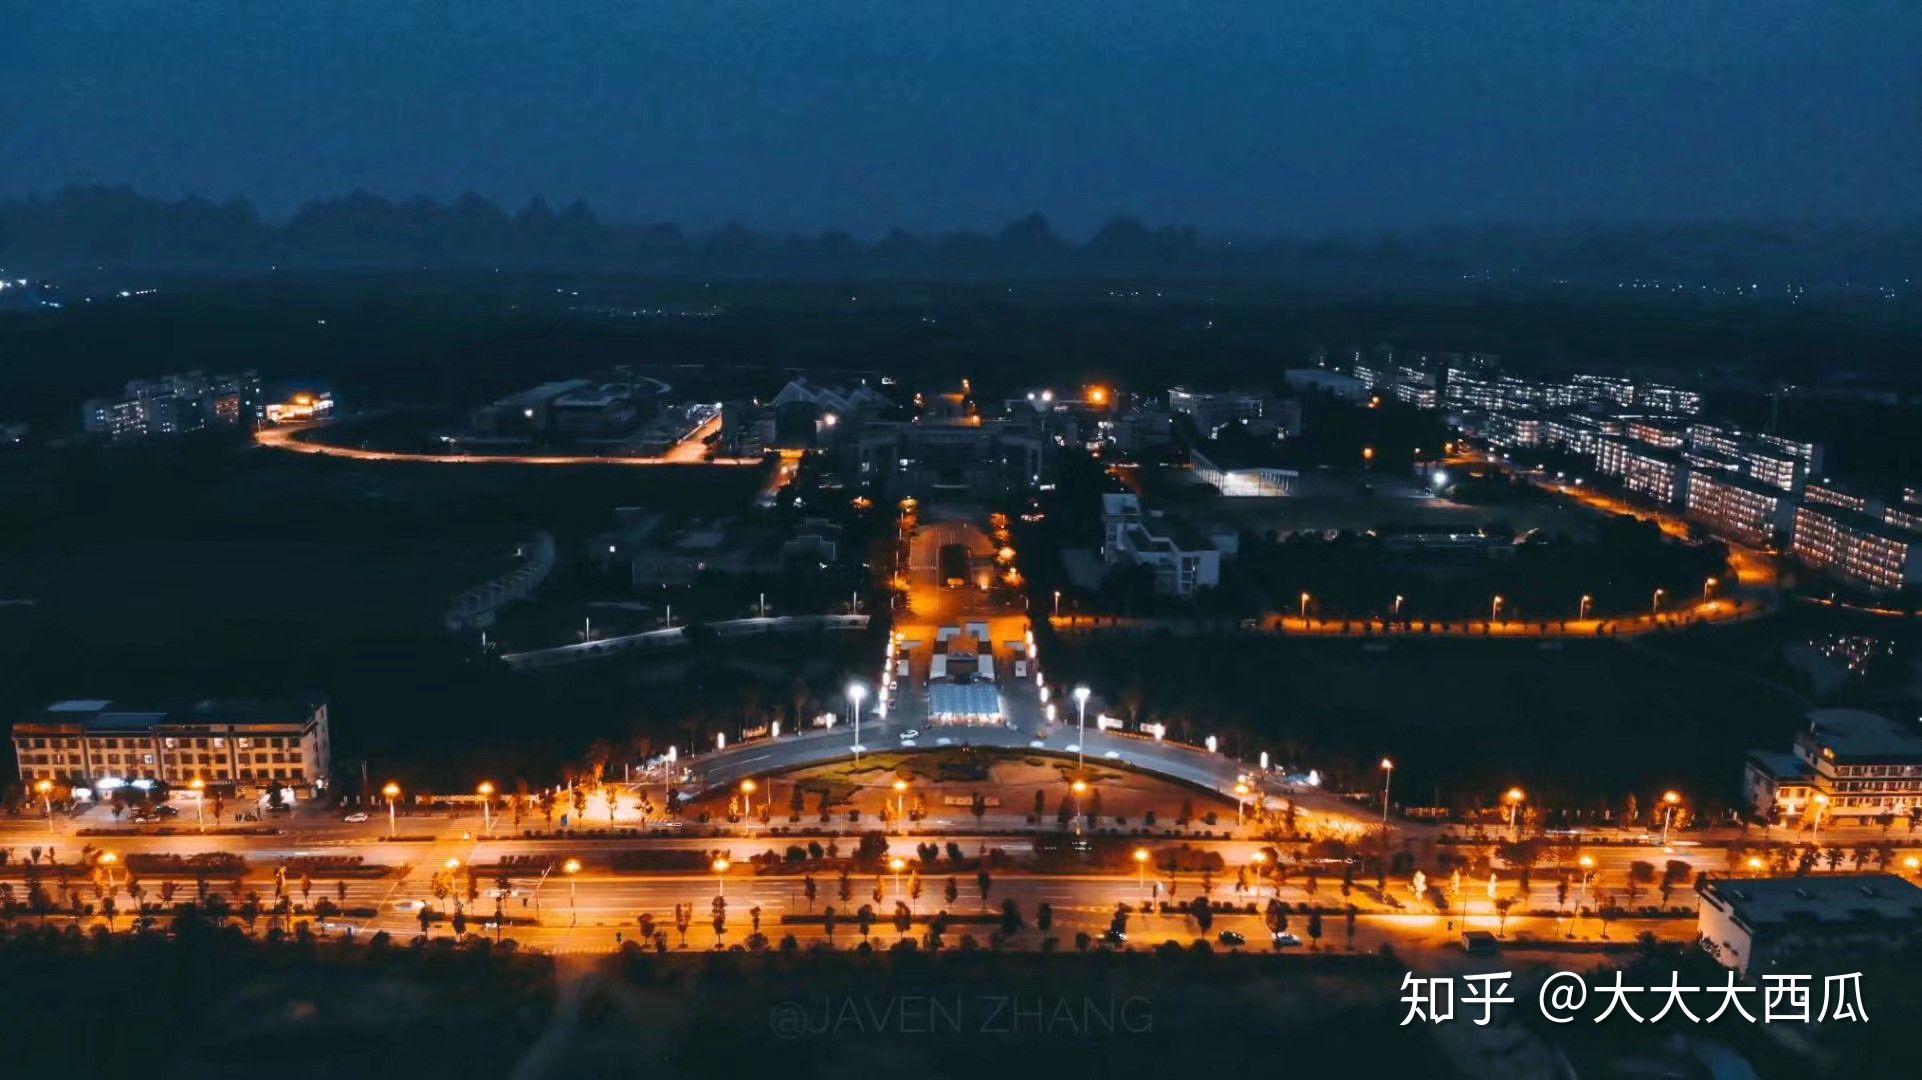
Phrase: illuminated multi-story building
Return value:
(1655, 474)
(1605, 389)
(1661, 398)
(1512, 430)
(1739, 508)
(1859, 549)
(1656, 433)
(174, 405)
(1827, 492)
(228, 744)
(1846, 763)
(1577, 433)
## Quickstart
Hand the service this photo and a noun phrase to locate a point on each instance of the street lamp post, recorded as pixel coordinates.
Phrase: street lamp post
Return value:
(1582, 609)
(1057, 603)
(1304, 611)
(1141, 870)
(1398, 602)
(1514, 798)
(107, 861)
(1081, 731)
(1655, 602)
(199, 788)
(1387, 777)
(1670, 799)
(897, 864)
(570, 868)
(855, 693)
(1821, 806)
(392, 791)
(1241, 800)
(1258, 859)
(1495, 610)
(1587, 863)
(45, 788)
(1078, 789)
(1708, 588)
(901, 804)
(486, 790)
(719, 866)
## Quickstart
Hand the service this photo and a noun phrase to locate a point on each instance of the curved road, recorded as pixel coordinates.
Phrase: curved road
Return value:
(689, 451)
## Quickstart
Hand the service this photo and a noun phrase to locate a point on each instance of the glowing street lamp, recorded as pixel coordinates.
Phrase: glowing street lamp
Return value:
(1655, 602)
(1514, 797)
(1078, 789)
(1141, 869)
(486, 791)
(1587, 863)
(1387, 777)
(1242, 791)
(897, 864)
(1304, 610)
(901, 803)
(1081, 735)
(392, 791)
(1398, 602)
(108, 860)
(748, 787)
(855, 693)
(1755, 863)
(1057, 603)
(1495, 610)
(1912, 864)
(45, 788)
(1709, 586)
(199, 788)
(1821, 806)
(1258, 859)
(1587, 604)
(1670, 800)
(570, 868)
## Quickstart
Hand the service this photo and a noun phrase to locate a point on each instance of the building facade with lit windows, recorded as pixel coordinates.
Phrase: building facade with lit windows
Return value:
(1859, 549)
(1655, 474)
(1741, 509)
(1845, 766)
(232, 744)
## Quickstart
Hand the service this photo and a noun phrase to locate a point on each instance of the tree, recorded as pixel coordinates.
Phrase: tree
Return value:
(1010, 917)
(1314, 928)
(829, 920)
(1044, 916)
(864, 918)
(903, 919)
(953, 891)
(1349, 924)
(985, 884)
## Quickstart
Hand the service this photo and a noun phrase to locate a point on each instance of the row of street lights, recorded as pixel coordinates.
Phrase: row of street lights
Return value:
(1582, 607)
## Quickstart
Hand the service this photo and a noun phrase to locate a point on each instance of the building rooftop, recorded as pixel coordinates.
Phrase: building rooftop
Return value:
(1781, 766)
(1815, 899)
(103, 716)
(1859, 736)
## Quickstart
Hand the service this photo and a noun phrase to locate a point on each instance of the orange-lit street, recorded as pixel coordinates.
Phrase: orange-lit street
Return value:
(691, 450)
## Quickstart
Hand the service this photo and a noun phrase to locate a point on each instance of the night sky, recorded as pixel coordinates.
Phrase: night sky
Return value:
(1269, 117)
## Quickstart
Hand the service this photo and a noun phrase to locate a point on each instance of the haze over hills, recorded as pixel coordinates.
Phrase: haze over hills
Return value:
(118, 228)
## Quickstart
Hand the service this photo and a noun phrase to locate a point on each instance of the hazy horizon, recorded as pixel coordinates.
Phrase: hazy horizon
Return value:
(1257, 120)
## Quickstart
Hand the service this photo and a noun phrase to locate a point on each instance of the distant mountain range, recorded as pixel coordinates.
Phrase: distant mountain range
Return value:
(118, 228)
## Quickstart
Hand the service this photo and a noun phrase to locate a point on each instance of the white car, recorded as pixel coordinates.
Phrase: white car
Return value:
(1286, 940)
(1112, 755)
(1037, 743)
(356, 817)
(409, 905)
(911, 733)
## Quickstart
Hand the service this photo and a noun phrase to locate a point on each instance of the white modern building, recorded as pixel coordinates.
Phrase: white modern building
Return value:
(238, 745)
(1183, 560)
(1807, 924)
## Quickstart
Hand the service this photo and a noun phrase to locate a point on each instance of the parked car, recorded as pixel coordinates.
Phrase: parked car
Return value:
(356, 817)
(1232, 938)
(1286, 940)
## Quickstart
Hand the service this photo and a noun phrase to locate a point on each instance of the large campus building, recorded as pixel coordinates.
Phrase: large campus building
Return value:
(1183, 560)
(1800, 925)
(174, 405)
(1744, 510)
(1857, 548)
(237, 745)
(1847, 764)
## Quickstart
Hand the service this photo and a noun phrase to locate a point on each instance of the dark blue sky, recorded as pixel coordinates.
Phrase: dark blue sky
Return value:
(1272, 117)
